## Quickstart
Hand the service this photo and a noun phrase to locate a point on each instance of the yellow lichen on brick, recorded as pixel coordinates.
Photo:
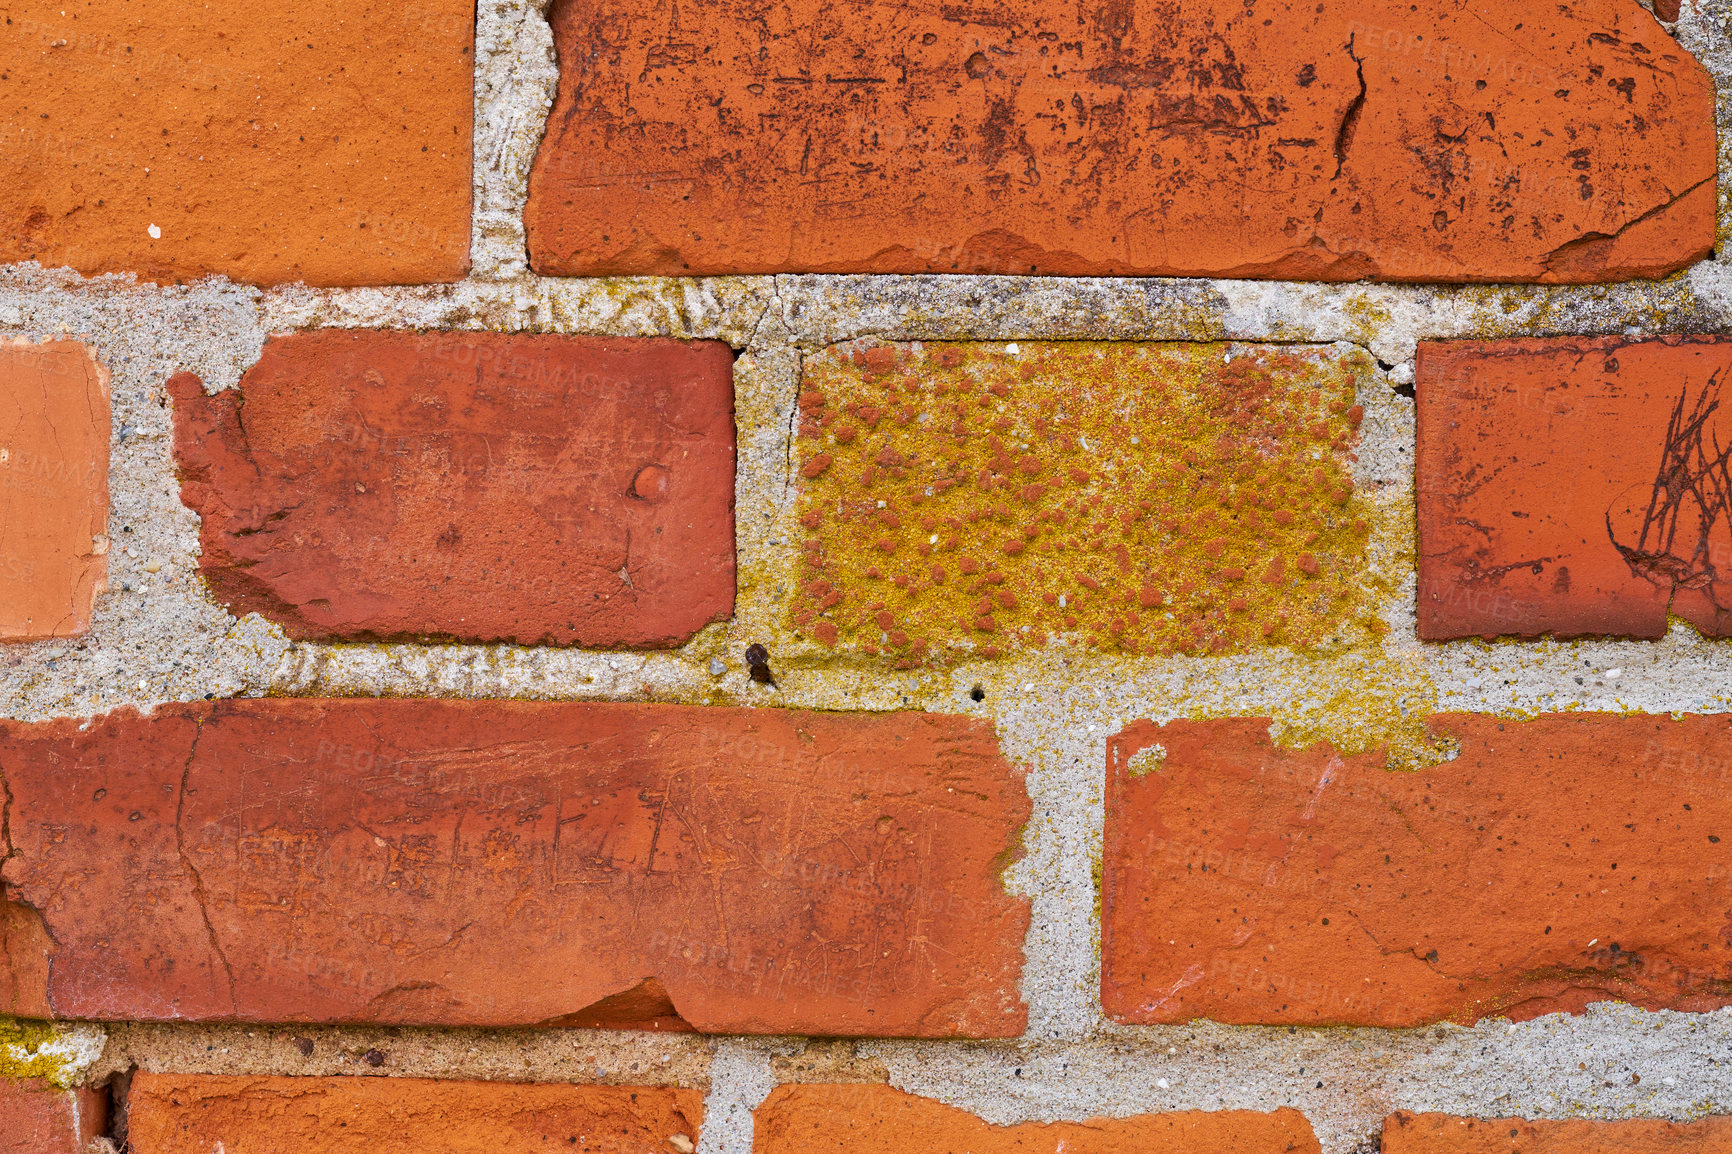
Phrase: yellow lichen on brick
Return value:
(1162, 498)
(34, 1050)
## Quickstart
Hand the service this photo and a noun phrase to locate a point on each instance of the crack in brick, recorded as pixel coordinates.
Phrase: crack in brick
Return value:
(1350, 118)
(1589, 240)
(192, 870)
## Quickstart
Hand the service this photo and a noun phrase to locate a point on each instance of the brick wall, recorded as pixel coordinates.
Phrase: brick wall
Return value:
(706, 580)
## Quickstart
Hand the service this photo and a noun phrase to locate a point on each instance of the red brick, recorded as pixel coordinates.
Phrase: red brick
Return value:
(312, 140)
(869, 1119)
(1555, 862)
(37, 1119)
(53, 488)
(573, 490)
(196, 1114)
(514, 863)
(1542, 463)
(1331, 141)
(1405, 1133)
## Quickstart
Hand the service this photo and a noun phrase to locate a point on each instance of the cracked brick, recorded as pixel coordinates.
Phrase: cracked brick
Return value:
(1335, 141)
(513, 863)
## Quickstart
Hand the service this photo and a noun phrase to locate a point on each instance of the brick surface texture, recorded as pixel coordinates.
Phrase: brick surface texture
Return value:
(1358, 140)
(54, 432)
(37, 1119)
(363, 485)
(194, 1114)
(1552, 863)
(1167, 498)
(881, 1120)
(265, 146)
(1573, 486)
(951, 578)
(1405, 1133)
(511, 864)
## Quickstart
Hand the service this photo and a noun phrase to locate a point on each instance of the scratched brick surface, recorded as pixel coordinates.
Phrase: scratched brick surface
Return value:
(503, 863)
(1555, 862)
(1573, 486)
(198, 1114)
(1408, 1133)
(866, 1119)
(266, 145)
(478, 486)
(1440, 141)
(54, 431)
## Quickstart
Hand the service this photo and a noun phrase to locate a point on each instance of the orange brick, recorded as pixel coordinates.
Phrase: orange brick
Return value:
(1569, 486)
(875, 1119)
(1555, 862)
(54, 434)
(513, 863)
(1330, 141)
(196, 1114)
(308, 141)
(1405, 1133)
(37, 1119)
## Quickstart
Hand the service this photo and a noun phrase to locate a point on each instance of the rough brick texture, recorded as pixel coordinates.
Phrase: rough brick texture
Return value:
(195, 1114)
(54, 433)
(316, 141)
(1555, 862)
(1405, 1133)
(1181, 497)
(37, 1119)
(503, 863)
(867, 1119)
(468, 485)
(1336, 140)
(1573, 486)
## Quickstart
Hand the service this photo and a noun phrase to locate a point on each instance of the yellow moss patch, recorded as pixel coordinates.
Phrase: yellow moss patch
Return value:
(1362, 701)
(26, 1052)
(1163, 498)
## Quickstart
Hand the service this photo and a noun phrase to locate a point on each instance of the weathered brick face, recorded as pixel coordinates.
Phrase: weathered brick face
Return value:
(1573, 486)
(1325, 141)
(1407, 1133)
(54, 433)
(671, 687)
(195, 1114)
(1553, 863)
(881, 1120)
(36, 1118)
(984, 499)
(262, 145)
(378, 485)
(499, 863)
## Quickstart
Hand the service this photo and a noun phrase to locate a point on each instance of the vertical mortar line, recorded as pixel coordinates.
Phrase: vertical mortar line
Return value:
(740, 1079)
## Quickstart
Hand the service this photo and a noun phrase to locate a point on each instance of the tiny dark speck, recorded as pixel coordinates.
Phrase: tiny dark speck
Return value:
(374, 1058)
(305, 1046)
(758, 661)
